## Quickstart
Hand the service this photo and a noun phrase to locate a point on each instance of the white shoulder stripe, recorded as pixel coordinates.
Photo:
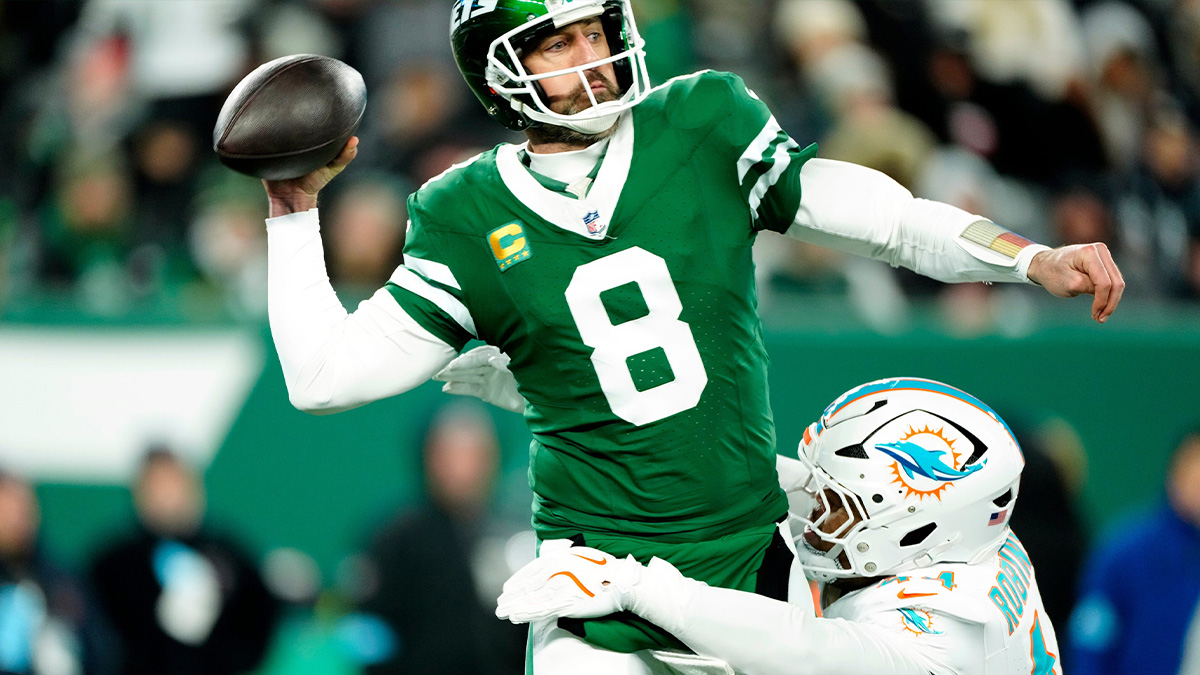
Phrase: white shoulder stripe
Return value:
(754, 152)
(680, 78)
(782, 159)
(455, 167)
(432, 270)
(412, 282)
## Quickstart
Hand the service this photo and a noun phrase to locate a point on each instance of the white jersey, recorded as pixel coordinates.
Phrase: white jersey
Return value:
(982, 619)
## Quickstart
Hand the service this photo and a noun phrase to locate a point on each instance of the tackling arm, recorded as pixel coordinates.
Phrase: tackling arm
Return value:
(760, 636)
(753, 634)
(334, 361)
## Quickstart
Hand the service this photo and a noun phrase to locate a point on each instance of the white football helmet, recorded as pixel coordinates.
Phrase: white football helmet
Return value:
(929, 472)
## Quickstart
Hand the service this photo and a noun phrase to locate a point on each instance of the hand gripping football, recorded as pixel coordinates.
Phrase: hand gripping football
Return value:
(290, 116)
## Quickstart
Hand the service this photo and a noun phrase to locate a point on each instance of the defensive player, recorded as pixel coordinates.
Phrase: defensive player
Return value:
(609, 257)
(915, 482)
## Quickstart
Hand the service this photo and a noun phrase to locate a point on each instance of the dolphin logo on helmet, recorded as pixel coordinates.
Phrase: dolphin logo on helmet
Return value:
(916, 459)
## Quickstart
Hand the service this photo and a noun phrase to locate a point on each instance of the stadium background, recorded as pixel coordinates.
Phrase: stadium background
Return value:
(132, 284)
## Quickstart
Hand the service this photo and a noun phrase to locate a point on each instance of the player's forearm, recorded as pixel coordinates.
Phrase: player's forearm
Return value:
(332, 360)
(760, 636)
(862, 211)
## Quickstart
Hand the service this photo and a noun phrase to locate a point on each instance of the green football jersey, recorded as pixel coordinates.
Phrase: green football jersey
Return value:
(630, 314)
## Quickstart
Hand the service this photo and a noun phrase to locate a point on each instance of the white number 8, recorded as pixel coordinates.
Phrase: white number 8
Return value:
(660, 327)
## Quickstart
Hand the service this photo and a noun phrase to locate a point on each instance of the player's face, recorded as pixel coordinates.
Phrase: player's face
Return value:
(574, 45)
(1183, 484)
(839, 514)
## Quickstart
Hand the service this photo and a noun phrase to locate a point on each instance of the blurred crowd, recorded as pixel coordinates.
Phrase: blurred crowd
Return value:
(1065, 120)
(171, 591)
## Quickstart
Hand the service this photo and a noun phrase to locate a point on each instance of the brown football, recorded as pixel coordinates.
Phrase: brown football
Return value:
(290, 116)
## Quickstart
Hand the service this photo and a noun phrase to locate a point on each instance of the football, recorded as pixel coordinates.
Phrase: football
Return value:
(290, 116)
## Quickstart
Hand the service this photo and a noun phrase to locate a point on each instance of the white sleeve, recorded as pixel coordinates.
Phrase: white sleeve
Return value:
(760, 636)
(793, 474)
(333, 361)
(851, 208)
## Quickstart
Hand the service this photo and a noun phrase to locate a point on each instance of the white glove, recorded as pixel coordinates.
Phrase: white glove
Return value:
(577, 582)
(483, 373)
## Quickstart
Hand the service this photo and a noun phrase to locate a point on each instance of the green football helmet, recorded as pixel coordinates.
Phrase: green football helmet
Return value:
(489, 36)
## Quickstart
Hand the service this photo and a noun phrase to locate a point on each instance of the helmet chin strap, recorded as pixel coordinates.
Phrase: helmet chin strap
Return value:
(589, 126)
(825, 565)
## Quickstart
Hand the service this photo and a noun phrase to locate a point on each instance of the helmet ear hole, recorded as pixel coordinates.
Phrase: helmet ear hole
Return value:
(918, 535)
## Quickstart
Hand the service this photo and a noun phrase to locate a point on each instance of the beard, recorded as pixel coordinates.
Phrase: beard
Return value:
(576, 102)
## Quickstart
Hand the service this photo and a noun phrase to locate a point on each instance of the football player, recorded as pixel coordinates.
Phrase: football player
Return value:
(914, 483)
(610, 258)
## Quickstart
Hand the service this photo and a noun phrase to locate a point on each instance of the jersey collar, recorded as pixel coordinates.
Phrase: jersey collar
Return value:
(589, 217)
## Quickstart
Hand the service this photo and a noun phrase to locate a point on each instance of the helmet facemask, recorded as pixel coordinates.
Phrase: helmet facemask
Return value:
(508, 77)
(825, 558)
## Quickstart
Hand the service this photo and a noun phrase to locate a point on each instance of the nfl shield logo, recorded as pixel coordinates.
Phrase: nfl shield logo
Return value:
(592, 221)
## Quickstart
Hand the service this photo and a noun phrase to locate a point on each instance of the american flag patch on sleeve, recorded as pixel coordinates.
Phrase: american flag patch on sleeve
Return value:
(992, 236)
(998, 518)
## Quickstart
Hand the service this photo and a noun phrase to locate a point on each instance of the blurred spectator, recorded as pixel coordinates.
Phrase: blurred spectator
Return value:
(1182, 28)
(421, 122)
(30, 33)
(1048, 520)
(182, 55)
(1123, 626)
(809, 32)
(1121, 52)
(228, 242)
(1021, 134)
(86, 230)
(1034, 42)
(902, 32)
(731, 36)
(427, 576)
(49, 625)
(366, 233)
(1193, 270)
(183, 600)
(1159, 208)
(166, 167)
(870, 130)
(1081, 216)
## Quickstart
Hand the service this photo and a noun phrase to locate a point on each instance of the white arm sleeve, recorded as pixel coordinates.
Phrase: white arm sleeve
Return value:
(851, 208)
(760, 636)
(792, 473)
(333, 361)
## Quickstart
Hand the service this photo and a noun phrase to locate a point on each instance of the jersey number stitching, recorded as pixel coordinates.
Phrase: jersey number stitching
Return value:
(659, 328)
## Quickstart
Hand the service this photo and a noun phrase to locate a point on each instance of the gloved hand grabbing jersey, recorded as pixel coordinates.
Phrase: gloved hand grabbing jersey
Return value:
(577, 582)
(583, 583)
(483, 373)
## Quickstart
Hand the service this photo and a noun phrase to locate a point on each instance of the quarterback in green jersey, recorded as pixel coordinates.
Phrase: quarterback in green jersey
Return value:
(609, 258)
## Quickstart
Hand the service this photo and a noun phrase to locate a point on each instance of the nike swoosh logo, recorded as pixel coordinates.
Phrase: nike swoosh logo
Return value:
(577, 582)
(601, 561)
(904, 595)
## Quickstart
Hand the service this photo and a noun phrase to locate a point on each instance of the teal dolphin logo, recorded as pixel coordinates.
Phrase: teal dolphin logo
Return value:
(916, 459)
(917, 621)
